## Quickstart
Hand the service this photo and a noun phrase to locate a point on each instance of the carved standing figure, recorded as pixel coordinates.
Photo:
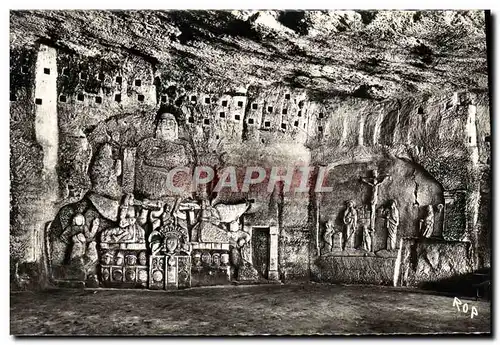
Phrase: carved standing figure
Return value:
(427, 224)
(351, 223)
(367, 243)
(392, 225)
(374, 182)
(328, 236)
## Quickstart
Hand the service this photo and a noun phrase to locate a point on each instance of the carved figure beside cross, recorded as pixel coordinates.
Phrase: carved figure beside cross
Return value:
(374, 182)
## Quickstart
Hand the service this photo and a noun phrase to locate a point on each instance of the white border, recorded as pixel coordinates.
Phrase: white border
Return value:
(196, 4)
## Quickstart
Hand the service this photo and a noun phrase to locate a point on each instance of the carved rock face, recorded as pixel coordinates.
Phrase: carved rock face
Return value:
(104, 175)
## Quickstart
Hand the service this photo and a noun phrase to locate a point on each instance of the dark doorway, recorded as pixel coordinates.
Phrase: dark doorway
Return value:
(261, 250)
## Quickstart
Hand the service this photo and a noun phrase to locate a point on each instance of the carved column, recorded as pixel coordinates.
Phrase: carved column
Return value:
(128, 177)
(248, 230)
(273, 254)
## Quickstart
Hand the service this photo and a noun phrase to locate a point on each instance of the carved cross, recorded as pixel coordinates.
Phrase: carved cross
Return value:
(374, 182)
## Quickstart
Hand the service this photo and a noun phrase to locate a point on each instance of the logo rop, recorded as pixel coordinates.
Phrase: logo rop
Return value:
(465, 307)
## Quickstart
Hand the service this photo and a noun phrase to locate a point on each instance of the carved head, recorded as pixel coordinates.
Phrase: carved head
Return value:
(142, 259)
(393, 203)
(430, 209)
(79, 219)
(241, 242)
(350, 203)
(171, 243)
(167, 128)
(119, 258)
(216, 259)
(197, 258)
(375, 173)
(330, 226)
(129, 200)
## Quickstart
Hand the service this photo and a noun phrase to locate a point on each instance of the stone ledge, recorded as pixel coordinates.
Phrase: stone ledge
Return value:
(362, 253)
(124, 246)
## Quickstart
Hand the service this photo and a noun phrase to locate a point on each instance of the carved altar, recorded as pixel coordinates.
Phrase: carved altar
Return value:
(169, 272)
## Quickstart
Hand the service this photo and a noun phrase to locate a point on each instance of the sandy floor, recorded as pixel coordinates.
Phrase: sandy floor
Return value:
(243, 310)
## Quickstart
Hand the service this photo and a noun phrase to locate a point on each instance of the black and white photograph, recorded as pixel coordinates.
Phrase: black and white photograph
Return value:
(279, 172)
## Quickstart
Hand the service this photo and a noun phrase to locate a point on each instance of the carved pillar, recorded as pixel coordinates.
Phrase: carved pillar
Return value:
(273, 254)
(248, 230)
(128, 176)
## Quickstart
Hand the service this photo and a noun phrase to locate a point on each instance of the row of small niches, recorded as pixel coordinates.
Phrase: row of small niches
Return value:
(255, 106)
(267, 124)
(237, 117)
(98, 100)
(81, 97)
(140, 98)
(137, 82)
(82, 75)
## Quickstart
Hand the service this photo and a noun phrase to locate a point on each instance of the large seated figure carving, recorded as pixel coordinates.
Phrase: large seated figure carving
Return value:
(156, 156)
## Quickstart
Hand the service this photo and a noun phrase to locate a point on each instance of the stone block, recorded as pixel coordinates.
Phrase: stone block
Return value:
(432, 260)
(354, 270)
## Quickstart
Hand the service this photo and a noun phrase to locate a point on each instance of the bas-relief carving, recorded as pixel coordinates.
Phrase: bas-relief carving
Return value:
(328, 236)
(156, 156)
(392, 223)
(122, 231)
(75, 155)
(427, 223)
(128, 231)
(374, 182)
(350, 220)
(198, 221)
(367, 243)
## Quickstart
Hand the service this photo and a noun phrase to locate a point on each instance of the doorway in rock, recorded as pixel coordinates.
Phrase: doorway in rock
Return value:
(261, 247)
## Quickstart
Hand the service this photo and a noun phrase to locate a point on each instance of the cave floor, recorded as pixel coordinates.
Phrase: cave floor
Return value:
(243, 310)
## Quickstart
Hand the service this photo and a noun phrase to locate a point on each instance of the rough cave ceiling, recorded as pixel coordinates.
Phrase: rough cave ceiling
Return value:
(377, 54)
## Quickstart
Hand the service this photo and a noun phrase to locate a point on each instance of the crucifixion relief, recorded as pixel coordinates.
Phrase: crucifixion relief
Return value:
(374, 183)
